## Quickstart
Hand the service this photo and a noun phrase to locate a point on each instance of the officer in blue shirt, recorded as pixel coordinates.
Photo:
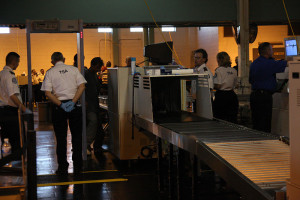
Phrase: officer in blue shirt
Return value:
(263, 80)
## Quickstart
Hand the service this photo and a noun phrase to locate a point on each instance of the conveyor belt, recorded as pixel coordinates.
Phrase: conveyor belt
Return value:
(252, 162)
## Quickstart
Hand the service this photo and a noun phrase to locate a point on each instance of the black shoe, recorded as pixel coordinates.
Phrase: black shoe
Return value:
(61, 172)
(77, 170)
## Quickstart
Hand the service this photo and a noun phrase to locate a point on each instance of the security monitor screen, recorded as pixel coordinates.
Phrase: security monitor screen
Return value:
(291, 48)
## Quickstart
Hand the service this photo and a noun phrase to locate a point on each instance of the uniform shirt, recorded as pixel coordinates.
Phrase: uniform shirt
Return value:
(203, 69)
(92, 90)
(41, 77)
(263, 73)
(63, 81)
(34, 79)
(8, 87)
(226, 77)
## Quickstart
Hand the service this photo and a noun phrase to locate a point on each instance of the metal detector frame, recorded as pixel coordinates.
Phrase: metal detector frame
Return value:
(80, 52)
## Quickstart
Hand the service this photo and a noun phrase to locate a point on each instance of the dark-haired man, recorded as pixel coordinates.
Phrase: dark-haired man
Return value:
(94, 130)
(64, 85)
(263, 80)
(201, 58)
(10, 101)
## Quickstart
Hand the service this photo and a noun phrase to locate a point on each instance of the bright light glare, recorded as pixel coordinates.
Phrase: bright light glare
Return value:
(168, 29)
(136, 29)
(105, 30)
(4, 30)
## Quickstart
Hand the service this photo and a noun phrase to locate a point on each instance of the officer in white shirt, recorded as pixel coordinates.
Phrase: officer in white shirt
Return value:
(225, 104)
(201, 58)
(10, 101)
(64, 85)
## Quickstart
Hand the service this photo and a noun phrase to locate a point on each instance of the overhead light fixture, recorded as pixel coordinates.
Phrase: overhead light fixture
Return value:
(105, 30)
(168, 29)
(4, 30)
(136, 29)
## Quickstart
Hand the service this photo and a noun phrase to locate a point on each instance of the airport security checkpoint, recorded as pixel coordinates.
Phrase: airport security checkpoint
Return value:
(101, 103)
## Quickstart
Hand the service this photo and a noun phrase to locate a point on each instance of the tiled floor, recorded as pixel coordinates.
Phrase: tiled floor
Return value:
(141, 184)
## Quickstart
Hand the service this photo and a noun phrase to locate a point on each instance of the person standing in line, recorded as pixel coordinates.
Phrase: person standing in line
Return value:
(41, 77)
(64, 85)
(225, 104)
(35, 86)
(94, 130)
(10, 101)
(262, 78)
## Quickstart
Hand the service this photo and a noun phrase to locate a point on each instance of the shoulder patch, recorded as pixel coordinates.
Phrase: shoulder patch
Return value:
(205, 69)
(14, 80)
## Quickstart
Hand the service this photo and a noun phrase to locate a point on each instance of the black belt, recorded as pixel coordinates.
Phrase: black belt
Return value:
(263, 91)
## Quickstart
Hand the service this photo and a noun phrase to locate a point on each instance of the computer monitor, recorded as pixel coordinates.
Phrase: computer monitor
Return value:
(290, 47)
(159, 54)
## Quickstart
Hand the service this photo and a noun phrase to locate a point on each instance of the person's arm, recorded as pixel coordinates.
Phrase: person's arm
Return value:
(17, 102)
(53, 98)
(217, 80)
(79, 92)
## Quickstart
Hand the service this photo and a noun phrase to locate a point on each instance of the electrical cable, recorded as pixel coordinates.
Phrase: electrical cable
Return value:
(287, 15)
(162, 33)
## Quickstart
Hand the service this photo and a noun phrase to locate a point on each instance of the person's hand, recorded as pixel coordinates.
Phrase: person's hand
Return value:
(70, 106)
(64, 106)
(27, 111)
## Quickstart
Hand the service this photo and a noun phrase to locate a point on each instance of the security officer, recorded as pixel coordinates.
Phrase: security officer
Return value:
(262, 77)
(225, 104)
(201, 58)
(10, 101)
(64, 85)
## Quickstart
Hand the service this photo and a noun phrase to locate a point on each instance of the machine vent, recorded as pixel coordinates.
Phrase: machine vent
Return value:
(136, 82)
(298, 97)
(146, 83)
(203, 81)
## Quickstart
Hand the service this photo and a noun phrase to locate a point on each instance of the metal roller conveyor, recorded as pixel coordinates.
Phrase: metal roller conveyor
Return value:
(254, 163)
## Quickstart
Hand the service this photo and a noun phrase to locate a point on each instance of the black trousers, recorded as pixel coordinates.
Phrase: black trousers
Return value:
(261, 103)
(10, 126)
(226, 105)
(60, 120)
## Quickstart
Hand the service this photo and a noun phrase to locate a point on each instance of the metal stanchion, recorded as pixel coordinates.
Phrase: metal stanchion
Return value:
(31, 185)
(31, 161)
(22, 143)
(171, 172)
(160, 165)
(180, 173)
(194, 177)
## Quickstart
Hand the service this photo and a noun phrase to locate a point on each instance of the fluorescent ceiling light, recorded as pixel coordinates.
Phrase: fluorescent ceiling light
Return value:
(105, 30)
(4, 30)
(136, 29)
(168, 29)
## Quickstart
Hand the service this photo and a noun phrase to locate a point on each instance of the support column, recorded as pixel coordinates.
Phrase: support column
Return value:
(146, 42)
(80, 61)
(151, 36)
(115, 44)
(243, 47)
(28, 40)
